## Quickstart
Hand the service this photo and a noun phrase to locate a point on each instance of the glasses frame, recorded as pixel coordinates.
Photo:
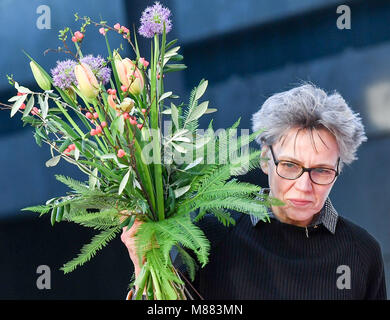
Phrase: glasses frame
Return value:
(304, 169)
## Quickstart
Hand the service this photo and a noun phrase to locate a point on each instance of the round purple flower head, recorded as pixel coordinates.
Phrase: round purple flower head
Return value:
(63, 74)
(153, 19)
(64, 77)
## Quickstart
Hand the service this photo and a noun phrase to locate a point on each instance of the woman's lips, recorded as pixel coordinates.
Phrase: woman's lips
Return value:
(299, 203)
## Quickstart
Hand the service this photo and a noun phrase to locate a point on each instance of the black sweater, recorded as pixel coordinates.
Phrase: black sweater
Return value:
(275, 260)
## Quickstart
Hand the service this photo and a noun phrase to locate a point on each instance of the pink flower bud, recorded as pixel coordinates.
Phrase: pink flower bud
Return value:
(125, 30)
(22, 107)
(93, 132)
(140, 125)
(79, 36)
(117, 26)
(104, 124)
(133, 121)
(74, 39)
(143, 111)
(124, 88)
(72, 146)
(144, 62)
(95, 115)
(121, 153)
(34, 111)
(102, 31)
(126, 116)
(89, 115)
(98, 129)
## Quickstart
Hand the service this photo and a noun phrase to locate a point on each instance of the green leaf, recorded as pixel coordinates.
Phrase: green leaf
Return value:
(24, 90)
(60, 213)
(180, 191)
(53, 161)
(124, 182)
(201, 89)
(105, 171)
(38, 139)
(53, 216)
(93, 179)
(76, 154)
(175, 116)
(64, 145)
(174, 67)
(198, 111)
(188, 262)
(193, 164)
(18, 103)
(170, 44)
(14, 98)
(29, 106)
(179, 148)
(44, 105)
(210, 110)
(165, 95)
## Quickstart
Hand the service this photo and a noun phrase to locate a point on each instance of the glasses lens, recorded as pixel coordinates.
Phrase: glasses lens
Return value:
(288, 170)
(322, 175)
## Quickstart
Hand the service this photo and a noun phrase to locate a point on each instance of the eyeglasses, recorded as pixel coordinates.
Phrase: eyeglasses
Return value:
(291, 171)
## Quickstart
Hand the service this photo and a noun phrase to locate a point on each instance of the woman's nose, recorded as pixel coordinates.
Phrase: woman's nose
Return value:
(304, 182)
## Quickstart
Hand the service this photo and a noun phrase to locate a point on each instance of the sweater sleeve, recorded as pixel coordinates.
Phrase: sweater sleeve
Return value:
(376, 284)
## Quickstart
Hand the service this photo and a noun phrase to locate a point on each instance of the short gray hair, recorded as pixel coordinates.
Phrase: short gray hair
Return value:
(309, 107)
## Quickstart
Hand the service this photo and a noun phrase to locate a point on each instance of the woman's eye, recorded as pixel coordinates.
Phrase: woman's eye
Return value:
(323, 171)
(289, 164)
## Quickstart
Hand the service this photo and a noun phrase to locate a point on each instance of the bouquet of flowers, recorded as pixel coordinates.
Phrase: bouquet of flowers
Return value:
(105, 116)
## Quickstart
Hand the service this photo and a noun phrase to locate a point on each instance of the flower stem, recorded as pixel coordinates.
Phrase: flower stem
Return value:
(154, 114)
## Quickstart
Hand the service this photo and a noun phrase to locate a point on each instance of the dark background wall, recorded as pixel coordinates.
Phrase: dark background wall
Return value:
(248, 50)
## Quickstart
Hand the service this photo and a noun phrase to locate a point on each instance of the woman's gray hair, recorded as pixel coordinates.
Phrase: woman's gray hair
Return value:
(309, 107)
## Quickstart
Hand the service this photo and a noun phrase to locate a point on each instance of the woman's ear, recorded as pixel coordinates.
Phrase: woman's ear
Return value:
(263, 161)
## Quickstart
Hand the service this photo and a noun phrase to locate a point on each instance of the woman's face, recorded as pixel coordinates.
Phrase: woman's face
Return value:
(290, 191)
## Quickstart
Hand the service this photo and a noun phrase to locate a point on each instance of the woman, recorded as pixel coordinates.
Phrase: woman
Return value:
(306, 250)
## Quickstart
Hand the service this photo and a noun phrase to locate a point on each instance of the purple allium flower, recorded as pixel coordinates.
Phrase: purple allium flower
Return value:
(63, 74)
(98, 66)
(152, 21)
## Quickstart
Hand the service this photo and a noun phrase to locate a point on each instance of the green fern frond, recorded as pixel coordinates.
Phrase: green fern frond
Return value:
(196, 237)
(89, 250)
(188, 261)
(77, 186)
(178, 229)
(155, 258)
(231, 188)
(102, 220)
(224, 217)
(192, 126)
(249, 206)
(42, 209)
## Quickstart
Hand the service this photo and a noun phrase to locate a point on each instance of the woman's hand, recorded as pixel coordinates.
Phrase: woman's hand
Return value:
(128, 238)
